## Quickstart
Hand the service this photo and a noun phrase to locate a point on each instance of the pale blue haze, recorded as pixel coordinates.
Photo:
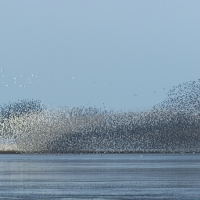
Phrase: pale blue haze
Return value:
(97, 53)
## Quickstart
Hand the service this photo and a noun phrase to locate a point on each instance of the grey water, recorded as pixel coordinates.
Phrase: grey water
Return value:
(100, 176)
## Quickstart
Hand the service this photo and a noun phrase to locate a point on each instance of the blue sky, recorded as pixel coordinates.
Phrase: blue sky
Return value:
(97, 53)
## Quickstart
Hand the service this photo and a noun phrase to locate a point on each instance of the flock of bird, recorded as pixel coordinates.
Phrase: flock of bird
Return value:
(171, 126)
(20, 81)
(23, 81)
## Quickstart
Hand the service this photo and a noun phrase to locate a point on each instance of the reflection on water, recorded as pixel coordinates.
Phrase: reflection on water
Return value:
(96, 176)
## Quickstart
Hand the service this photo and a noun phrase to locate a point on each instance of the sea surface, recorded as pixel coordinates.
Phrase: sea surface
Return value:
(100, 176)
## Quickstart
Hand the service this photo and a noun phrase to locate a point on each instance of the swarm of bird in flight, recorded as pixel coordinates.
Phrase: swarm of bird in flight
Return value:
(169, 127)
(19, 81)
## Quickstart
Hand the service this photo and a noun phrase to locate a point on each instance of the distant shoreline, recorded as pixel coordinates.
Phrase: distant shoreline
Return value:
(10, 152)
(102, 152)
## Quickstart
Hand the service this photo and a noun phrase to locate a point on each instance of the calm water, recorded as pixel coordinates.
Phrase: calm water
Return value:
(89, 176)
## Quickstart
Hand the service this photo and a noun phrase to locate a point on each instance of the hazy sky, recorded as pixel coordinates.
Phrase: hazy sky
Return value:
(96, 53)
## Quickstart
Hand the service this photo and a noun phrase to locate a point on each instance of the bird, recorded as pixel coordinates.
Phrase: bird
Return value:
(168, 127)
